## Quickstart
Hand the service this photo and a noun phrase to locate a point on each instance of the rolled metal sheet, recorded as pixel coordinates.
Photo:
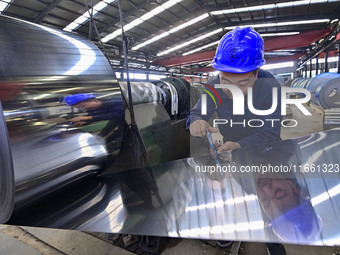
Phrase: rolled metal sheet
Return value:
(324, 88)
(50, 147)
(52, 160)
(303, 209)
(30, 49)
(142, 92)
(164, 139)
(328, 94)
(183, 91)
(172, 106)
(296, 83)
(321, 79)
(6, 173)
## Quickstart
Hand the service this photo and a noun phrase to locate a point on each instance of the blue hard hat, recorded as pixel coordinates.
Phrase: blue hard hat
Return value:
(299, 224)
(239, 51)
(76, 98)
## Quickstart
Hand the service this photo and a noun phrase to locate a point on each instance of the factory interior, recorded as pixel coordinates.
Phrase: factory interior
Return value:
(98, 149)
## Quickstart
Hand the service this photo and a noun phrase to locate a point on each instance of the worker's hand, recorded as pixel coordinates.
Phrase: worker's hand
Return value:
(199, 128)
(222, 150)
(228, 146)
(80, 121)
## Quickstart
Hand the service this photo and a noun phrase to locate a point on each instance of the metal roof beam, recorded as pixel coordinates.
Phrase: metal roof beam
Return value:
(126, 14)
(46, 11)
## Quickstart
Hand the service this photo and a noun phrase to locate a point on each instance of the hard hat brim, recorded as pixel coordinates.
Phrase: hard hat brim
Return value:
(231, 69)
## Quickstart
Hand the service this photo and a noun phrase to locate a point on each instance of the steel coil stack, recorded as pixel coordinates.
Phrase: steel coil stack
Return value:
(175, 91)
(324, 89)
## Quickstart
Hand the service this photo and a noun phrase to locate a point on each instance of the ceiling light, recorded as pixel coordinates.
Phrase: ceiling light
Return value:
(288, 23)
(4, 4)
(81, 20)
(173, 30)
(100, 6)
(278, 65)
(140, 20)
(322, 60)
(132, 24)
(71, 26)
(270, 6)
(85, 16)
(190, 42)
(200, 48)
(280, 34)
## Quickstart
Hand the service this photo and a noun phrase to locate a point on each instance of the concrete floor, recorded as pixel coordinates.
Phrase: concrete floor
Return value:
(305, 124)
(33, 241)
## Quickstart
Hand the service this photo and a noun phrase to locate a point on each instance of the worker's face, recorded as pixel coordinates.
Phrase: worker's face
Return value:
(91, 104)
(241, 80)
(277, 196)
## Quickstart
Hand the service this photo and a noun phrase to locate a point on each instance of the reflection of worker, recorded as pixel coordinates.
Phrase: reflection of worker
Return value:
(290, 215)
(97, 110)
(111, 110)
(238, 58)
(277, 195)
(284, 202)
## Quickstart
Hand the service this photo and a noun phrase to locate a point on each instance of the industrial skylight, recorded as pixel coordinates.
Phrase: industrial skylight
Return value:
(103, 4)
(171, 31)
(4, 4)
(278, 65)
(190, 42)
(270, 6)
(85, 16)
(280, 34)
(200, 48)
(289, 23)
(322, 60)
(214, 43)
(236, 10)
(140, 20)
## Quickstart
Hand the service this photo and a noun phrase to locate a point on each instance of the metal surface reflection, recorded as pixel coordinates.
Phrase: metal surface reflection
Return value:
(64, 157)
(116, 203)
(67, 172)
(40, 67)
(291, 207)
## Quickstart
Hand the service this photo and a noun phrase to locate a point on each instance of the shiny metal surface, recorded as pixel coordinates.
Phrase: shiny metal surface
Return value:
(6, 172)
(331, 117)
(59, 180)
(208, 206)
(52, 160)
(39, 67)
(324, 89)
(32, 50)
(164, 138)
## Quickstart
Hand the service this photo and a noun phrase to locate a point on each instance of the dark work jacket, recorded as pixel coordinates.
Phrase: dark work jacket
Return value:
(111, 109)
(262, 100)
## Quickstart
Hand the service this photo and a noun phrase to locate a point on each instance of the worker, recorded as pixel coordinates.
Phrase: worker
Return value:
(97, 109)
(290, 214)
(238, 58)
(282, 195)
